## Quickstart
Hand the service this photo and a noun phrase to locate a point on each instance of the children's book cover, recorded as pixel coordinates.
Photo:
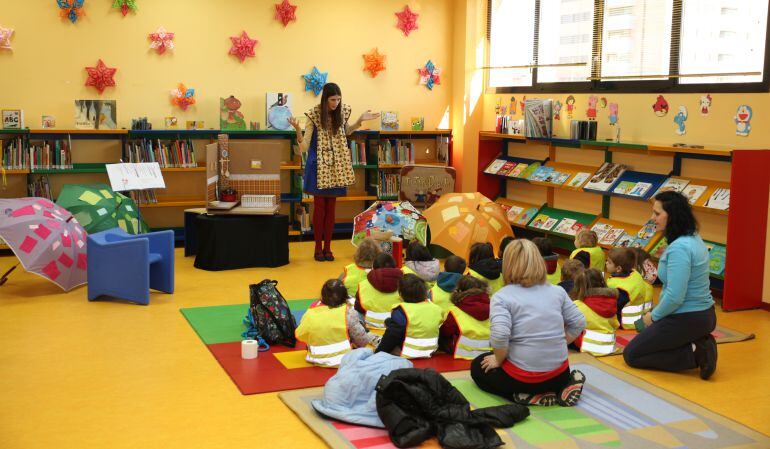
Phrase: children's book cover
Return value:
(659, 248)
(539, 221)
(517, 171)
(612, 236)
(541, 173)
(717, 257)
(526, 216)
(278, 110)
(605, 177)
(230, 118)
(506, 168)
(96, 114)
(495, 166)
(565, 226)
(601, 229)
(673, 184)
(625, 241)
(578, 179)
(549, 224)
(624, 188)
(640, 189)
(527, 172)
(389, 121)
(418, 123)
(513, 212)
(577, 227)
(560, 179)
(693, 192)
(720, 199)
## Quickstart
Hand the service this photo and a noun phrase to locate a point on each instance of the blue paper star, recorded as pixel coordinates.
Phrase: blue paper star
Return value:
(315, 81)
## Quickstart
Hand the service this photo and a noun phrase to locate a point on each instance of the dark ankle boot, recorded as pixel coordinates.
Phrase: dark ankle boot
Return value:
(706, 356)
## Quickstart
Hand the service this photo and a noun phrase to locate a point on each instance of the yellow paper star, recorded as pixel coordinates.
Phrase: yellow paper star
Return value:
(374, 62)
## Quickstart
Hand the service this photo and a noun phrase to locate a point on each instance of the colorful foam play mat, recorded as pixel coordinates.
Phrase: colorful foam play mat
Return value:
(280, 368)
(617, 410)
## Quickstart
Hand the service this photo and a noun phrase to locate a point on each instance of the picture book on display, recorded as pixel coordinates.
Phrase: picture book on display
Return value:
(720, 199)
(541, 174)
(579, 179)
(717, 257)
(527, 172)
(601, 229)
(607, 174)
(558, 178)
(506, 168)
(673, 184)
(549, 224)
(612, 236)
(517, 171)
(644, 235)
(640, 189)
(538, 118)
(539, 221)
(389, 121)
(513, 212)
(624, 187)
(565, 226)
(659, 248)
(693, 192)
(526, 216)
(626, 241)
(278, 110)
(495, 166)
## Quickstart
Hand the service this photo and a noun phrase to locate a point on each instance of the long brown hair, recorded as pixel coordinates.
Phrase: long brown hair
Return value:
(585, 281)
(335, 116)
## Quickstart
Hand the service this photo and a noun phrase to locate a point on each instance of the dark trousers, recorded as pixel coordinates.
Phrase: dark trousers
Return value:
(667, 344)
(498, 382)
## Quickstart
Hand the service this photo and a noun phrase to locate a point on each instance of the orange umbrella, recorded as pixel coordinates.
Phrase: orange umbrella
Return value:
(458, 220)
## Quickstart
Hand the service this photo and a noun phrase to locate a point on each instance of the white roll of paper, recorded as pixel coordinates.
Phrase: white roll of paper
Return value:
(249, 349)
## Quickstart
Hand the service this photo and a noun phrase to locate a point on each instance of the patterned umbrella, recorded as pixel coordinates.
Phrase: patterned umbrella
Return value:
(46, 238)
(458, 220)
(400, 217)
(94, 205)
(128, 217)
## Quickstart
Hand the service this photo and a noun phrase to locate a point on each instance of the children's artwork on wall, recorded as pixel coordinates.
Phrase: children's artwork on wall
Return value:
(125, 6)
(374, 62)
(521, 104)
(278, 112)
(183, 97)
(603, 102)
(679, 119)
(5, 38)
(162, 40)
(230, 118)
(660, 107)
(171, 122)
(557, 110)
(407, 20)
(315, 80)
(512, 106)
(243, 46)
(743, 120)
(71, 9)
(591, 111)
(49, 121)
(613, 114)
(570, 102)
(705, 104)
(96, 114)
(430, 75)
(285, 12)
(101, 76)
(418, 123)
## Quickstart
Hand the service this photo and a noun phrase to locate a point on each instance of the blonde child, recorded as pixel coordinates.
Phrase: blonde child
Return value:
(483, 265)
(465, 332)
(331, 328)
(413, 327)
(378, 293)
(632, 290)
(649, 272)
(570, 269)
(362, 262)
(588, 250)
(454, 268)
(551, 259)
(599, 305)
(421, 262)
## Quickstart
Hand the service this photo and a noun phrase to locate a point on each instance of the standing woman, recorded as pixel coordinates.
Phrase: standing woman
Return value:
(678, 336)
(328, 170)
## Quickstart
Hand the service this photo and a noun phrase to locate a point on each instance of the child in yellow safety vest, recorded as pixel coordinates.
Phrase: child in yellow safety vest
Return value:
(421, 262)
(362, 263)
(454, 267)
(331, 328)
(634, 298)
(599, 305)
(413, 327)
(649, 272)
(378, 293)
(570, 269)
(465, 332)
(552, 265)
(588, 250)
(483, 265)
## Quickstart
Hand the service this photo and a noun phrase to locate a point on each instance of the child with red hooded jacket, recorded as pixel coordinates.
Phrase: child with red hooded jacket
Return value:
(599, 305)
(465, 332)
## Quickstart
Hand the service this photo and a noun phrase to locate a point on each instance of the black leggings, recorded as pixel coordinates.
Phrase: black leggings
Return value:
(667, 344)
(500, 383)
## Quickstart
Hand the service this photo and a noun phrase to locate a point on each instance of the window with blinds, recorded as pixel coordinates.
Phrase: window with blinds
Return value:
(628, 45)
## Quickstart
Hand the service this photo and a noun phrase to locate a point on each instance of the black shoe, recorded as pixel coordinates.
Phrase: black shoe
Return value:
(319, 257)
(706, 356)
(570, 395)
(329, 256)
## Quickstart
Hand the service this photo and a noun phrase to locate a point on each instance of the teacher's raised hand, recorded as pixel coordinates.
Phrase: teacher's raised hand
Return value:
(368, 115)
(295, 123)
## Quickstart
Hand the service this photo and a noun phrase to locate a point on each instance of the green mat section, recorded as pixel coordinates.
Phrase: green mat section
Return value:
(224, 324)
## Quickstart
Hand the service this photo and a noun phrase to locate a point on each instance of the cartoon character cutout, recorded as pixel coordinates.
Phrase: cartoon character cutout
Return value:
(603, 102)
(705, 104)
(497, 107)
(743, 120)
(570, 101)
(679, 119)
(512, 106)
(613, 114)
(557, 110)
(523, 103)
(591, 111)
(660, 107)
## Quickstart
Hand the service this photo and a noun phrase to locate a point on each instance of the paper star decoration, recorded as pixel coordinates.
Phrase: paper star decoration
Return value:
(125, 6)
(374, 62)
(407, 20)
(5, 38)
(284, 12)
(429, 75)
(71, 9)
(243, 46)
(100, 76)
(182, 97)
(162, 40)
(315, 81)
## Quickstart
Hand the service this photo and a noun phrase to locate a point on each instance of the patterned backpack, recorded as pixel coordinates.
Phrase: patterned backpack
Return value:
(269, 316)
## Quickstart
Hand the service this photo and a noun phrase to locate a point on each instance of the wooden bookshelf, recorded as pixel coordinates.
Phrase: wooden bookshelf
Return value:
(491, 135)
(351, 196)
(80, 131)
(182, 169)
(522, 204)
(15, 171)
(711, 186)
(290, 166)
(673, 150)
(572, 170)
(436, 132)
(176, 201)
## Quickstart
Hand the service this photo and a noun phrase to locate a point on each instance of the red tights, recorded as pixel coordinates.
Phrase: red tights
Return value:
(323, 222)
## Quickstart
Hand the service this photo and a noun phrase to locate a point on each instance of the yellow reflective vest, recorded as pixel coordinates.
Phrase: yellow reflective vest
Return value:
(353, 276)
(376, 304)
(596, 257)
(423, 320)
(474, 335)
(599, 336)
(325, 331)
(639, 298)
(441, 298)
(494, 284)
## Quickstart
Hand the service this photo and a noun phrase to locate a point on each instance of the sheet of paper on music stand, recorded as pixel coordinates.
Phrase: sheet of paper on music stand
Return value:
(135, 176)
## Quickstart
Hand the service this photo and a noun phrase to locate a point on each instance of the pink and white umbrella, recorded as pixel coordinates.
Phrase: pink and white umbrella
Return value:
(46, 238)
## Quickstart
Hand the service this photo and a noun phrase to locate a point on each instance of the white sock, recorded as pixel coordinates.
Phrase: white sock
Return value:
(693, 347)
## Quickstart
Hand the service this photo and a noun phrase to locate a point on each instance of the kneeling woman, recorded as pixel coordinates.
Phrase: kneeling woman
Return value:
(528, 321)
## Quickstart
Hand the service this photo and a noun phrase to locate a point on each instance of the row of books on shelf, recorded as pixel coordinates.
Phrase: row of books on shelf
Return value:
(357, 152)
(39, 186)
(168, 154)
(388, 184)
(48, 155)
(143, 196)
(394, 151)
(615, 236)
(609, 178)
(13, 155)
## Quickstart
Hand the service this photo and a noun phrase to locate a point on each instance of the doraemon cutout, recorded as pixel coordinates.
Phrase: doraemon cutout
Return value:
(743, 120)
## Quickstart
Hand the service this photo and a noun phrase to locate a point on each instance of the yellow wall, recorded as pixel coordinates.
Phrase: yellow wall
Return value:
(45, 71)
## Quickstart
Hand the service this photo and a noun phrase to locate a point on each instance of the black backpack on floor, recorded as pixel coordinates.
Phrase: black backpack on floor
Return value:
(269, 315)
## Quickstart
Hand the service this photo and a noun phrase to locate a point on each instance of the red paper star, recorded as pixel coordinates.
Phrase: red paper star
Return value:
(284, 12)
(407, 20)
(100, 76)
(162, 40)
(243, 46)
(374, 62)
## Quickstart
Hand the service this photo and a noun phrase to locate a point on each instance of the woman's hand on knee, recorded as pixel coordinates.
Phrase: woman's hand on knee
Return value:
(647, 319)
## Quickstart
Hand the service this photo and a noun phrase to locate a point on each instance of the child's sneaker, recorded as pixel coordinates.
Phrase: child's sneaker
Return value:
(570, 395)
(544, 399)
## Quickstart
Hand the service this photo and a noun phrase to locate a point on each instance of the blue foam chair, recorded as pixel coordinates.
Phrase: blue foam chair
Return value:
(127, 266)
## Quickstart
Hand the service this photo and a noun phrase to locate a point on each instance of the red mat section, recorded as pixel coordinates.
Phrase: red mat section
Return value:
(266, 374)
